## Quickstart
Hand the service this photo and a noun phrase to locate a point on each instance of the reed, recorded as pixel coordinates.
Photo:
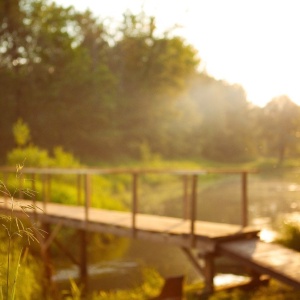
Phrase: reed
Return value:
(15, 229)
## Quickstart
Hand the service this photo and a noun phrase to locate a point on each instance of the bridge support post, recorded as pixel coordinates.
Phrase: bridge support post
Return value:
(83, 260)
(209, 273)
(49, 286)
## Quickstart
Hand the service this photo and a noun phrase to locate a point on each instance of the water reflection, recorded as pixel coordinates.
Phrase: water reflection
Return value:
(267, 235)
(227, 279)
(104, 268)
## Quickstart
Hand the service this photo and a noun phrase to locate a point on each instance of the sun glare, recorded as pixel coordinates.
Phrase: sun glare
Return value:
(252, 43)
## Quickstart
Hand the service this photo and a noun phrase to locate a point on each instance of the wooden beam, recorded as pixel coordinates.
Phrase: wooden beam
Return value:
(52, 236)
(66, 251)
(195, 262)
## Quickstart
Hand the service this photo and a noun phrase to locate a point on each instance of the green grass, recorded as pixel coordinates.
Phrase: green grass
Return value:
(13, 253)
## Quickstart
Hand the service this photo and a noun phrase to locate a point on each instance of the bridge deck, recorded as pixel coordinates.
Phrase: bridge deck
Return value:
(275, 260)
(239, 243)
(157, 228)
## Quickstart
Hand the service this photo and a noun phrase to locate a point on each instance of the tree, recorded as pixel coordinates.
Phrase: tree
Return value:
(21, 133)
(152, 70)
(60, 72)
(222, 129)
(280, 126)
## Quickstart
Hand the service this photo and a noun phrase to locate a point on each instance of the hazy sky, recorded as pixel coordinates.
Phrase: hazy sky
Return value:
(255, 43)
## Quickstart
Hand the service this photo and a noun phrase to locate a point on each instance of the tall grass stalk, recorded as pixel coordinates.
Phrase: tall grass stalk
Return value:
(15, 228)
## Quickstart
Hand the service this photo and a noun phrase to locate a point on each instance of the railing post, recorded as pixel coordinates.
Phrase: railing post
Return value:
(20, 186)
(46, 190)
(33, 189)
(244, 199)
(186, 207)
(193, 208)
(134, 201)
(79, 198)
(87, 194)
(5, 176)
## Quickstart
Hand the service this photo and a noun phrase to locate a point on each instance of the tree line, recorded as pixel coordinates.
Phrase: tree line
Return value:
(104, 93)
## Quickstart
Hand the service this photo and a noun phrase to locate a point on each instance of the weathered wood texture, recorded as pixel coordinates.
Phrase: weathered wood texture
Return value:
(266, 258)
(158, 228)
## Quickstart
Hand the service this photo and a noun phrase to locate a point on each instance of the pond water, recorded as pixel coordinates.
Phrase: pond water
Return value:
(270, 198)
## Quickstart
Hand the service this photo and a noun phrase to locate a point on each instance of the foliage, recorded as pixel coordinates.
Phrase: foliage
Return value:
(280, 126)
(28, 285)
(64, 159)
(224, 130)
(75, 292)
(150, 288)
(21, 133)
(289, 234)
(35, 156)
(103, 92)
(11, 254)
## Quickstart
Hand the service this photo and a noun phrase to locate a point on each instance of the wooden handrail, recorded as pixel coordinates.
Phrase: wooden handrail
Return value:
(190, 178)
(99, 171)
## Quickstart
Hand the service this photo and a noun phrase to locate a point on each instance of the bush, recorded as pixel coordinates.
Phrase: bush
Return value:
(150, 288)
(32, 156)
(289, 235)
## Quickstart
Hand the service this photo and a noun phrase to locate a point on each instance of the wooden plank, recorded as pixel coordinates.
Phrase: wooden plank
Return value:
(272, 259)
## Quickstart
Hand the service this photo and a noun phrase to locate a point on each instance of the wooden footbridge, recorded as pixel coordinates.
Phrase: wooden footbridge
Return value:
(201, 241)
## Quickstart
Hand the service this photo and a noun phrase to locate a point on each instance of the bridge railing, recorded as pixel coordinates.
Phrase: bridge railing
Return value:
(189, 187)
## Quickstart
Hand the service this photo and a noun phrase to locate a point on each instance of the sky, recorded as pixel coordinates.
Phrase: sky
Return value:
(254, 43)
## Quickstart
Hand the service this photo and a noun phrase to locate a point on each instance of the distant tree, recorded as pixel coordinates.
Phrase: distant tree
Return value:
(280, 123)
(223, 129)
(21, 133)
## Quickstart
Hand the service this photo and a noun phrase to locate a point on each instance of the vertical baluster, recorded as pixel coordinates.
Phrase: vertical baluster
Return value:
(186, 207)
(5, 176)
(134, 201)
(46, 191)
(79, 180)
(87, 193)
(193, 210)
(244, 199)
